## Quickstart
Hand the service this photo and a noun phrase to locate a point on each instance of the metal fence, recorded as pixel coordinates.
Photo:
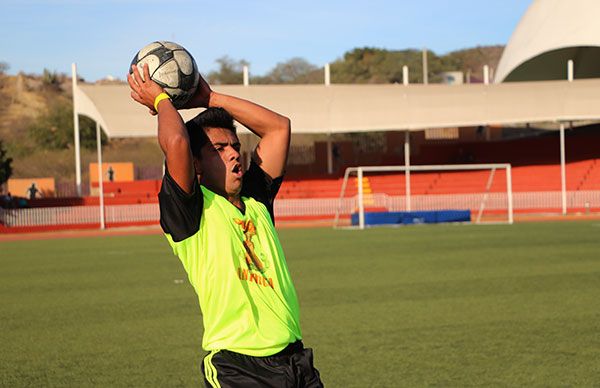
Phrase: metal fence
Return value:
(323, 207)
(78, 215)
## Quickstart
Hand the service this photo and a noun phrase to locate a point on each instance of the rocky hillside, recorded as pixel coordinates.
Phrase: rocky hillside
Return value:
(28, 98)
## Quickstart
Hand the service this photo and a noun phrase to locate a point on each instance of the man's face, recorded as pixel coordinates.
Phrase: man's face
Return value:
(220, 163)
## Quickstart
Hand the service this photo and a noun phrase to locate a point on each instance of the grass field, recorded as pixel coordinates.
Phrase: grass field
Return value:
(429, 305)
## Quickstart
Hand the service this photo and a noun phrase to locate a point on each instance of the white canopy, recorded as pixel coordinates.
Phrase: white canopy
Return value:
(360, 108)
(550, 33)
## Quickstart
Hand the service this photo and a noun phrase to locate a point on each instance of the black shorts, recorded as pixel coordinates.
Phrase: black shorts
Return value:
(292, 367)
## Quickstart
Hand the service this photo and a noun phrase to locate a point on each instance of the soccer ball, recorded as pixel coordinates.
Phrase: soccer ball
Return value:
(172, 67)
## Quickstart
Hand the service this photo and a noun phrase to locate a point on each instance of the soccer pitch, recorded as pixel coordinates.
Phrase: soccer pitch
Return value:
(446, 305)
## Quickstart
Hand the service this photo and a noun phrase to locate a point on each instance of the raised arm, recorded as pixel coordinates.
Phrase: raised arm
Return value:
(272, 128)
(172, 134)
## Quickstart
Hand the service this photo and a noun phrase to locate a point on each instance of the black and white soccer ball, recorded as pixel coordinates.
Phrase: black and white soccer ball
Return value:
(172, 67)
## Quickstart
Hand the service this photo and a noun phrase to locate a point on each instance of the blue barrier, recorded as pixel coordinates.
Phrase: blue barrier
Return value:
(419, 217)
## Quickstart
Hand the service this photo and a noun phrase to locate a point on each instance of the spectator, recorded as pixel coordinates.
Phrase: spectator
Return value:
(33, 191)
(111, 174)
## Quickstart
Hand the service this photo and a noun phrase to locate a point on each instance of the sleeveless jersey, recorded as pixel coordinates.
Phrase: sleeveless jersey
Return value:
(238, 269)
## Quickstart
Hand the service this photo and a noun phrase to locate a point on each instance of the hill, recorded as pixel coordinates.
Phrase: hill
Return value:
(373, 65)
(29, 98)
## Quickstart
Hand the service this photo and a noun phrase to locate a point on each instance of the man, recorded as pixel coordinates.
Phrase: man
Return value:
(219, 222)
(33, 191)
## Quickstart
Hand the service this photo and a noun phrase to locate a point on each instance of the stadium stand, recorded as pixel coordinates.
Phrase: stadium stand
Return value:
(581, 175)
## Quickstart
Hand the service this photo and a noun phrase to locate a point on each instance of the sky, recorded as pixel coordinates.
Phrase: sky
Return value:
(102, 36)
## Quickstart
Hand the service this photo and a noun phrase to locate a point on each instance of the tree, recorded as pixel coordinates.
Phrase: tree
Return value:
(373, 65)
(294, 71)
(473, 59)
(51, 79)
(3, 69)
(230, 72)
(54, 129)
(5, 165)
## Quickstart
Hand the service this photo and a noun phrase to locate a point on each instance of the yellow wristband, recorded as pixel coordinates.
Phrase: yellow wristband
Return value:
(159, 98)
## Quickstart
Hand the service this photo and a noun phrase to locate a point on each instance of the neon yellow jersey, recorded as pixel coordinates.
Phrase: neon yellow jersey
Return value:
(237, 267)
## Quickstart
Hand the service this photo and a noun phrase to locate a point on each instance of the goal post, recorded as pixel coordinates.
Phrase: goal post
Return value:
(373, 195)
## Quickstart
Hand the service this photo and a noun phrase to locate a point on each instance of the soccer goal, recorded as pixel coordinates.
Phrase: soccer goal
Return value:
(380, 195)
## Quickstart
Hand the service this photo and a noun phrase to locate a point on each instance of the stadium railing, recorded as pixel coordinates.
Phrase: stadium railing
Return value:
(289, 209)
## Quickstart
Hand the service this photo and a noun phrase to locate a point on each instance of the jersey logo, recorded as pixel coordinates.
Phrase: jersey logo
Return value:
(252, 259)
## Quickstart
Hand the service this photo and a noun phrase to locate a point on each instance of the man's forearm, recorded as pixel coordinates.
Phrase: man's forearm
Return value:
(170, 125)
(175, 144)
(273, 129)
(256, 118)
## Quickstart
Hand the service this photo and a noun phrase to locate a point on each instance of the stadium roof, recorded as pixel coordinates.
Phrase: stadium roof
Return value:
(550, 33)
(359, 108)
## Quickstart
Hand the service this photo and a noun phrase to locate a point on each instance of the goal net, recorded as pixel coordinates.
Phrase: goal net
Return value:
(378, 195)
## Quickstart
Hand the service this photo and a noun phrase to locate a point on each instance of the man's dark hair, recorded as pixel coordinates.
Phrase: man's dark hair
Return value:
(210, 118)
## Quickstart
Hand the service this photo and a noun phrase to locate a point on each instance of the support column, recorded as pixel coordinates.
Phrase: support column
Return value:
(510, 194)
(76, 130)
(407, 171)
(425, 68)
(563, 172)
(246, 75)
(329, 155)
(361, 204)
(570, 72)
(100, 176)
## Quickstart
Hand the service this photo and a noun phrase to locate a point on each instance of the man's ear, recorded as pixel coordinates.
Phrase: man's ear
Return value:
(197, 166)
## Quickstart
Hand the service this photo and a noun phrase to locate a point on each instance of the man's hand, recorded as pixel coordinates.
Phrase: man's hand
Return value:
(143, 90)
(201, 99)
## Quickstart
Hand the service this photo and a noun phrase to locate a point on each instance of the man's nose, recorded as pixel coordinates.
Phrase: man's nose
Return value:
(233, 154)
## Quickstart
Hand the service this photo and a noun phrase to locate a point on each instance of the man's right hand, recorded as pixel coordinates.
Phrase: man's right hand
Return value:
(201, 99)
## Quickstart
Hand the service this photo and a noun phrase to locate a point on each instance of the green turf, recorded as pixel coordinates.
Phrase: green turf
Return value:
(429, 305)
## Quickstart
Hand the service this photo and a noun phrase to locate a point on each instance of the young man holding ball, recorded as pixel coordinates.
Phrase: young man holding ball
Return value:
(219, 222)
